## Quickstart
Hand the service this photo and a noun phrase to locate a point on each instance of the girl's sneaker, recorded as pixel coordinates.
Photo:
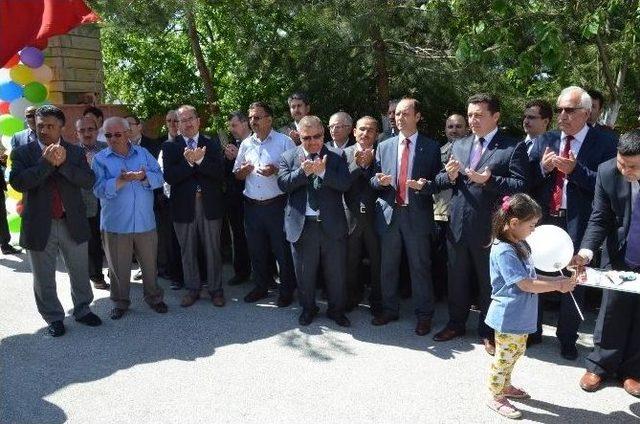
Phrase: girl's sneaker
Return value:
(503, 407)
(515, 393)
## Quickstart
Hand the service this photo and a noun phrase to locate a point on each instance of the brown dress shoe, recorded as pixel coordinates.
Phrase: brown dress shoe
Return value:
(489, 346)
(189, 299)
(218, 300)
(423, 327)
(590, 382)
(383, 319)
(632, 386)
(447, 334)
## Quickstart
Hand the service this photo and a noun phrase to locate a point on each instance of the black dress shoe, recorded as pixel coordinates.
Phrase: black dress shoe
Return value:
(375, 309)
(56, 329)
(90, 319)
(117, 313)
(284, 300)
(569, 351)
(340, 319)
(100, 285)
(306, 317)
(176, 285)
(7, 249)
(255, 295)
(160, 307)
(237, 280)
(138, 275)
(384, 319)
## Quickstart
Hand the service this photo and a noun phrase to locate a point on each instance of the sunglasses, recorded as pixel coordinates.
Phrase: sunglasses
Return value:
(113, 135)
(567, 110)
(312, 137)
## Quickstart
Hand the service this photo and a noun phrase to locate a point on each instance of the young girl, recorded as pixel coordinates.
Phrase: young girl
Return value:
(514, 306)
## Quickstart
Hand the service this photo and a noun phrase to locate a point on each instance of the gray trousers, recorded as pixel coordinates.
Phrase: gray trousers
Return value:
(43, 266)
(209, 232)
(119, 249)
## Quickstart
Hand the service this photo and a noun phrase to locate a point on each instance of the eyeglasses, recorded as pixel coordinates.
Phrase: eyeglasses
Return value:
(185, 120)
(113, 135)
(312, 137)
(30, 115)
(567, 110)
(337, 126)
(257, 118)
(531, 117)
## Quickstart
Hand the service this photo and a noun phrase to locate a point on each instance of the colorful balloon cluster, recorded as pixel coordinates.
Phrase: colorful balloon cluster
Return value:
(23, 82)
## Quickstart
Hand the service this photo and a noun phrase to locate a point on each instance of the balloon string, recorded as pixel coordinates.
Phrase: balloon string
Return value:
(577, 307)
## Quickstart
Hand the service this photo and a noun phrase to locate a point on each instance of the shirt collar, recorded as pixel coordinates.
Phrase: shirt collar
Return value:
(269, 136)
(194, 138)
(132, 150)
(579, 136)
(488, 137)
(413, 137)
(335, 144)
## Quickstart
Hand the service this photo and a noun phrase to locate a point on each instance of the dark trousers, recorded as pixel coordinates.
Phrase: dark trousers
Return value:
(439, 258)
(313, 248)
(5, 236)
(617, 336)
(96, 254)
(468, 265)
(164, 226)
(365, 235)
(397, 234)
(264, 228)
(235, 217)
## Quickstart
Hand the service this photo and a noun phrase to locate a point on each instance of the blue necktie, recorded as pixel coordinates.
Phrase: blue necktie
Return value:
(632, 256)
(191, 143)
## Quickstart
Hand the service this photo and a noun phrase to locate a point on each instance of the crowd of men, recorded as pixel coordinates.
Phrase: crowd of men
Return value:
(362, 209)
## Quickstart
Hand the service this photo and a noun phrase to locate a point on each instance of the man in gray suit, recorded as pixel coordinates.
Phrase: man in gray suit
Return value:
(50, 173)
(405, 168)
(27, 135)
(360, 202)
(314, 178)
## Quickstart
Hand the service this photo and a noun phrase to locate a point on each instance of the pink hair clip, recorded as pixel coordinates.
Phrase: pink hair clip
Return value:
(505, 203)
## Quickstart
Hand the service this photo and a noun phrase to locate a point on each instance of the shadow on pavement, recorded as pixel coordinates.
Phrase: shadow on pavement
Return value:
(555, 414)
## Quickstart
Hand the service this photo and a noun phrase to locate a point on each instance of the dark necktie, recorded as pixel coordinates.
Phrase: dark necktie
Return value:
(476, 153)
(558, 187)
(632, 256)
(401, 193)
(313, 186)
(191, 143)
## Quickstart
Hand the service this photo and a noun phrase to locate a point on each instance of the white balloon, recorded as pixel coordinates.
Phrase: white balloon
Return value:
(5, 75)
(43, 74)
(551, 248)
(17, 107)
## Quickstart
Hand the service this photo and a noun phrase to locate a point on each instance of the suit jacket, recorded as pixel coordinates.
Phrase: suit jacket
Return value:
(598, 147)
(234, 187)
(426, 164)
(20, 138)
(30, 174)
(472, 205)
(185, 179)
(360, 194)
(293, 181)
(350, 142)
(611, 214)
(152, 145)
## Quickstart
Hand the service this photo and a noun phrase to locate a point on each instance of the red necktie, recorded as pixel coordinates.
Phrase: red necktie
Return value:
(556, 196)
(402, 176)
(57, 210)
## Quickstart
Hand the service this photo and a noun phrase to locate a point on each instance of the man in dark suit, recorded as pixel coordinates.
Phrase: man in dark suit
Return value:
(50, 173)
(360, 202)
(27, 135)
(314, 178)
(405, 169)
(563, 166)
(535, 122)
(238, 125)
(483, 168)
(194, 168)
(136, 136)
(340, 126)
(616, 217)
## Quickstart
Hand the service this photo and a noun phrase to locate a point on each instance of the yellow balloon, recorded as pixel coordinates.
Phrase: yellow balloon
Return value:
(21, 74)
(13, 194)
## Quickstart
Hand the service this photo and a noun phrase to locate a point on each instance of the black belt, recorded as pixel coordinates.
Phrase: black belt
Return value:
(313, 218)
(251, 201)
(561, 213)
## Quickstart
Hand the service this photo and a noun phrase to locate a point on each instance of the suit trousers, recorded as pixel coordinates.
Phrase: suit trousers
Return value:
(164, 227)
(119, 249)
(96, 254)
(397, 234)
(5, 236)
(43, 266)
(364, 234)
(617, 336)
(235, 216)
(468, 264)
(313, 248)
(264, 227)
(209, 232)
(439, 258)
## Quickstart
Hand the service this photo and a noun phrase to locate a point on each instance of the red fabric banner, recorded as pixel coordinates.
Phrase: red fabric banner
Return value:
(31, 22)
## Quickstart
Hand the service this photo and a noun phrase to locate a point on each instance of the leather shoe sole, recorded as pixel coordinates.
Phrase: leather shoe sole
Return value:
(447, 334)
(590, 382)
(160, 307)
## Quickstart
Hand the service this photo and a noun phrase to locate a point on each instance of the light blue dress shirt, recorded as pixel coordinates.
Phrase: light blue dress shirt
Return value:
(130, 208)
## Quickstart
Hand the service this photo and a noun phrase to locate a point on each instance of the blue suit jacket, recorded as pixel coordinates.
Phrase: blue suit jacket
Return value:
(472, 205)
(598, 147)
(293, 181)
(426, 164)
(185, 179)
(20, 138)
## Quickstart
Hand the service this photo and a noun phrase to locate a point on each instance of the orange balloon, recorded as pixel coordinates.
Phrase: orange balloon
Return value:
(12, 62)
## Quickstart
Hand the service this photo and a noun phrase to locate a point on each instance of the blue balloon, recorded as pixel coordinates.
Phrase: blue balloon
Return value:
(10, 91)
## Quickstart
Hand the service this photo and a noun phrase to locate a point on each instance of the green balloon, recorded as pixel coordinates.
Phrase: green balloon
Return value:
(35, 92)
(14, 222)
(9, 125)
